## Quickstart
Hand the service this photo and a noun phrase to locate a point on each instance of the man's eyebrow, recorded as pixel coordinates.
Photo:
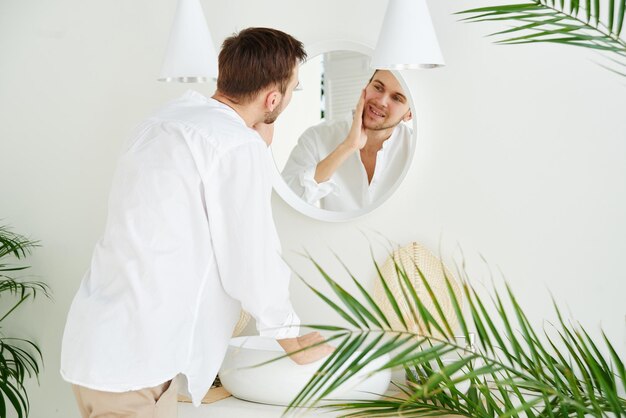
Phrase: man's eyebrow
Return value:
(401, 95)
(383, 84)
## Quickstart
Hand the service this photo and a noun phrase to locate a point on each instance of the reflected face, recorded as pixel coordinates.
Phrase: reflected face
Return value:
(386, 104)
(270, 117)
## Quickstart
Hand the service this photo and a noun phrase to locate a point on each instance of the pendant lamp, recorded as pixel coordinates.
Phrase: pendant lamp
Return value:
(190, 56)
(407, 39)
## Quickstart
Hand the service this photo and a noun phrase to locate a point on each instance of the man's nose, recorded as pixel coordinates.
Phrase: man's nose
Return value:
(383, 100)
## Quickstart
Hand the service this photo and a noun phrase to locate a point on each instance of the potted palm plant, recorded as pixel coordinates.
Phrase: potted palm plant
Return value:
(511, 370)
(19, 358)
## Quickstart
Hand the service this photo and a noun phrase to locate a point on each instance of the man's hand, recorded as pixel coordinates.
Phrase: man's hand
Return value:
(266, 130)
(291, 345)
(357, 138)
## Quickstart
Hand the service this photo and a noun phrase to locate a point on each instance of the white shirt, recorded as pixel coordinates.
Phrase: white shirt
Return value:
(188, 242)
(348, 188)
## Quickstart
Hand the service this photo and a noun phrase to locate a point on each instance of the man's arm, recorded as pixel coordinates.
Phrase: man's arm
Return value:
(247, 249)
(245, 243)
(297, 345)
(355, 141)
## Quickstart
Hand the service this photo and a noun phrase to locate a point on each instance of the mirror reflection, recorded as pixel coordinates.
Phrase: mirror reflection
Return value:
(356, 139)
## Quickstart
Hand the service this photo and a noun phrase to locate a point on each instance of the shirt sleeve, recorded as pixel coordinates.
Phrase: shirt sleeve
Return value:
(299, 171)
(245, 241)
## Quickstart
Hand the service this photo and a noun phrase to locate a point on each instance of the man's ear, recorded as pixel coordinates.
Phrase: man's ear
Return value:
(408, 116)
(272, 100)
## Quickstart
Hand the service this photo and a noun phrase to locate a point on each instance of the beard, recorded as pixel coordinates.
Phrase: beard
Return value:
(380, 125)
(270, 117)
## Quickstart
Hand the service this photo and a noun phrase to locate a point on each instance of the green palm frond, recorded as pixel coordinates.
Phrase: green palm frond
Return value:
(590, 24)
(22, 288)
(16, 363)
(511, 370)
(19, 358)
(14, 244)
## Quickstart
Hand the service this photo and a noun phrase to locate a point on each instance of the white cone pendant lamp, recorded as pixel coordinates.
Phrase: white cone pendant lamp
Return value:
(407, 39)
(190, 56)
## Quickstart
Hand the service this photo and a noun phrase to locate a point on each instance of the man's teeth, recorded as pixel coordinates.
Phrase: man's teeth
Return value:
(376, 113)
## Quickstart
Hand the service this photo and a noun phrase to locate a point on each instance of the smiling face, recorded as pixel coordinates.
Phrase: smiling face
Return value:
(386, 104)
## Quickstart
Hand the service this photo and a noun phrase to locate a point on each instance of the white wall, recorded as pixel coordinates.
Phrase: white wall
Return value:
(521, 155)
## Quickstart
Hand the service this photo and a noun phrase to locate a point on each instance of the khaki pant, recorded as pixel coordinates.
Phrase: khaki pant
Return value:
(157, 402)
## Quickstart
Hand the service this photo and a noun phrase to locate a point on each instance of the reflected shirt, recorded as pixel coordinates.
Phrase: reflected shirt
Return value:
(348, 189)
(189, 241)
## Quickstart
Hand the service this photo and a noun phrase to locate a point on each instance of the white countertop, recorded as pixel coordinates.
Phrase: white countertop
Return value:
(236, 408)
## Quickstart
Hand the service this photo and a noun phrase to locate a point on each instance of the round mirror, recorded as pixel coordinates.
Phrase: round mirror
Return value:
(329, 163)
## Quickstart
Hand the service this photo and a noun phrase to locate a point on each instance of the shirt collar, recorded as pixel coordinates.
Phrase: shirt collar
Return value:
(394, 135)
(199, 97)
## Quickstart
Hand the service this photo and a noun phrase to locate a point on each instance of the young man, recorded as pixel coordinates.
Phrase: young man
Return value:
(345, 165)
(189, 240)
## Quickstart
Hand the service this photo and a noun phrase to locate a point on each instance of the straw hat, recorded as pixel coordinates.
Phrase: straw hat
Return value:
(411, 258)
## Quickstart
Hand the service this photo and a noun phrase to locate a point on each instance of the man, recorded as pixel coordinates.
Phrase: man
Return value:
(189, 240)
(346, 165)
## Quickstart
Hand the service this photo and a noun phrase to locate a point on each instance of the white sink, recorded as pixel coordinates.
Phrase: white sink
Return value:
(279, 382)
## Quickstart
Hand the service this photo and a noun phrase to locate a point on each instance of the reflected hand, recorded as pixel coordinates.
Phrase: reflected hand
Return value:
(291, 345)
(266, 130)
(357, 137)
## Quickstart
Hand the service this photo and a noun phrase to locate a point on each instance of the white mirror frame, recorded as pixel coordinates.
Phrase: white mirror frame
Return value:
(293, 200)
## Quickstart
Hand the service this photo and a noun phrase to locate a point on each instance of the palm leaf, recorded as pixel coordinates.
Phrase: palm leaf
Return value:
(16, 364)
(390, 297)
(21, 288)
(14, 244)
(379, 313)
(19, 358)
(537, 377)
(542, 21)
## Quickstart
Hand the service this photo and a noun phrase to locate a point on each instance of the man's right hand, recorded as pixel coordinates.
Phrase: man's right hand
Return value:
(357, 138)
(291, 345)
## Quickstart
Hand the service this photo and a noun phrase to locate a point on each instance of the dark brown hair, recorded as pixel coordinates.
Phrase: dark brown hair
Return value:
(256, 58)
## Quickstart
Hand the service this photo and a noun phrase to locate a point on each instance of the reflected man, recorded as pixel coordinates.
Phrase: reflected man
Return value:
(345, 165)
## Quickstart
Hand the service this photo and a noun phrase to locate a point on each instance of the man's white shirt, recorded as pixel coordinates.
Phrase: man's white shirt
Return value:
(348, 189)
(189, 241)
